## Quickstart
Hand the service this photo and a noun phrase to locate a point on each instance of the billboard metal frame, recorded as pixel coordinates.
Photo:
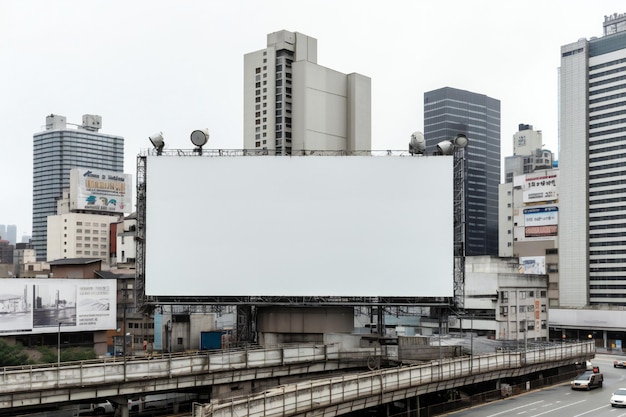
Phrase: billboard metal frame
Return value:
(148, 302)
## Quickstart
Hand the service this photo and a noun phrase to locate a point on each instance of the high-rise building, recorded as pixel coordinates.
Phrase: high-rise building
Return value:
(449, 112)
(528, 154)
(592, 143)
(6, 252)
(9, 232)
(292, 104)
(529, 182)
(56, 151)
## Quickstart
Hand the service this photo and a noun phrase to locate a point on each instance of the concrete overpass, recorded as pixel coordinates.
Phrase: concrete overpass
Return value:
(348, 393)
(36, 386)
(114, 378)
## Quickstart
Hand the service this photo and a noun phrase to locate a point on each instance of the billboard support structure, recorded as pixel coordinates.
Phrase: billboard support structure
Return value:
(140, 293)
(246, 323)
(459, 226)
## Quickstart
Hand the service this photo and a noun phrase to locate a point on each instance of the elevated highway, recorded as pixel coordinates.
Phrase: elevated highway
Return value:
(123, 380)
(30, 387)
(348, 393)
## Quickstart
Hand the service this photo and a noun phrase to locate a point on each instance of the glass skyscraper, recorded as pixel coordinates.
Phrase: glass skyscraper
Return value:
(449, 112)
(56, 151)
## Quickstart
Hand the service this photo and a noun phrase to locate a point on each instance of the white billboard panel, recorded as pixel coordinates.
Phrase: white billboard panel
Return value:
(532, 265)
(38, 305)
(541, 216)
(539, 188)
(96, 190)
(299, 226)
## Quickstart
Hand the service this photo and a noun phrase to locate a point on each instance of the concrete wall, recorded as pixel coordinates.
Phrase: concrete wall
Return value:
(305, 319)
(319, 108)
(278, 325)
(75, 271)
(200, 323)
(359, 112)
(100, 343)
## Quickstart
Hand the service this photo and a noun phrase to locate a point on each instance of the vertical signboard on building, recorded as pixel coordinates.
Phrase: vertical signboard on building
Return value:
(537, 315)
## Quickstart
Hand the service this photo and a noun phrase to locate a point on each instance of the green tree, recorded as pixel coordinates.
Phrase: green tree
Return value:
(12, 355)
(50, 355)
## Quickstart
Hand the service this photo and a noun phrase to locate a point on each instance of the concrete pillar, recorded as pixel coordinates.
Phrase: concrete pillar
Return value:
(123, 410)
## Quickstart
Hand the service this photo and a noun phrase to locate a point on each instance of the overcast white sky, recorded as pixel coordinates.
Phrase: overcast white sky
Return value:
(175, 66)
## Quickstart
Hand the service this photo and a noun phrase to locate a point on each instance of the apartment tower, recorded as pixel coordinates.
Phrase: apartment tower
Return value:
(292, 105)
(449, 112)
(56, 151)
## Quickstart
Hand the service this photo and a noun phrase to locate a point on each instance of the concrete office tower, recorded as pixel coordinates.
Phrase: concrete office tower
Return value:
(521, 190)
(448, 112)
(80, 235)
(527, 140)
(528, 154)
(58, 149)
(592, 143)
(293, 104)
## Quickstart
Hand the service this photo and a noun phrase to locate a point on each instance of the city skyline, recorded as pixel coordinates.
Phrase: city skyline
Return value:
(148, 69)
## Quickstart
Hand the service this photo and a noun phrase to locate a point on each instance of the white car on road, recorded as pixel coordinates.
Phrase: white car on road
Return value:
(618, 399)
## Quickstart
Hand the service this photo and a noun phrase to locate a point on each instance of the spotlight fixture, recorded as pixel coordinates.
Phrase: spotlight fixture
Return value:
(157, 142)
(417, 145)
(199, 138)
(445, 147)
(460, 141)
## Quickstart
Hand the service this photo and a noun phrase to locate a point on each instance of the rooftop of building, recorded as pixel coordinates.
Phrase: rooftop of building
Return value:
(75, 261)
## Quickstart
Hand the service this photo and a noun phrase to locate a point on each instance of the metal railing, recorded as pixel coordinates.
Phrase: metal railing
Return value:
(274, 152)
(111, 370)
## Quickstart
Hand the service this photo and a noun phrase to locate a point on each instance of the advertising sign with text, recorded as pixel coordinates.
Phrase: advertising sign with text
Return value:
(540, 188)
(532, 265)
(101, 191)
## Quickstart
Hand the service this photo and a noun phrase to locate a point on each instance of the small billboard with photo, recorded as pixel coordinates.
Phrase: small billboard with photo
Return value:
(44, 305)
(532, 265)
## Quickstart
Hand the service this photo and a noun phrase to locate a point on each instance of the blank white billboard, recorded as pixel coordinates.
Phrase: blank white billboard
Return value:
(358, 226)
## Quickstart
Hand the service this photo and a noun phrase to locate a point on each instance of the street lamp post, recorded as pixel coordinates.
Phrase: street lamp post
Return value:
(59, 346)
(525, 323)
(472, 336)
(124, 330)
